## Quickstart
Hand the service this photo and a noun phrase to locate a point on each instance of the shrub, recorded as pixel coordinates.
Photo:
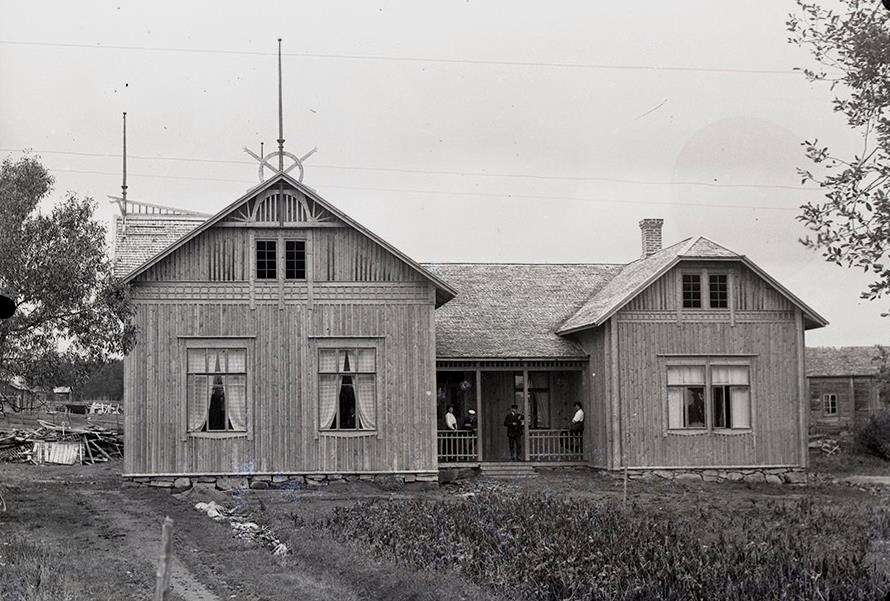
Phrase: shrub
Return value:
(544, 547)
(873, 434)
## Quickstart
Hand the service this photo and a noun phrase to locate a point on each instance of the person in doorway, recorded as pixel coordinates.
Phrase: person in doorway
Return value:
(515, 423)
(470, 420)
(450, 420)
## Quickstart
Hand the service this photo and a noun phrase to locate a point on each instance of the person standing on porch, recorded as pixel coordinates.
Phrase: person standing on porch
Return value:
(514, 423)
(577, 424)
(450, 420)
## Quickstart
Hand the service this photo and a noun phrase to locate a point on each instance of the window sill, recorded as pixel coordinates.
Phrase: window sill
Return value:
(688, 432)
(705, 431)
(733, 432)
(347, 433)
(217, 434)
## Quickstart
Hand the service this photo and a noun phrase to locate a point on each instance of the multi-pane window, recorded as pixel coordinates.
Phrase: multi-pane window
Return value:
(718, 288)
(725, 388)
(266, 259)
(295, 259)
(347, 388)
(730, 396)
(686, 397)
(691, 291)
(217, 389)
(829, 403)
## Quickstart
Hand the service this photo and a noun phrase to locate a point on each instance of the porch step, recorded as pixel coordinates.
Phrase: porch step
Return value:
(507, 471)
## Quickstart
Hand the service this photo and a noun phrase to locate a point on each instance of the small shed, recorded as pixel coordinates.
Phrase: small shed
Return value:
(843, 386)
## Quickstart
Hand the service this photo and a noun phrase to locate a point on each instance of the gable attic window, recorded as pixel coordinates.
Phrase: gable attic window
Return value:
(718, 288)
(829, 403)
(691, 291)
(295, 259)
(347, 388)
(266, 259)
(217, 389)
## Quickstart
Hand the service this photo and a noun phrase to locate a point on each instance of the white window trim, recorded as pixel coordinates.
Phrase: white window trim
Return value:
(825, 411)
(332, 342)
(704, 280)
(242, 342)
(707, 362)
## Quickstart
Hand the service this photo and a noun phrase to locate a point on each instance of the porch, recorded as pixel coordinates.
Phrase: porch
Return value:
(481, 393)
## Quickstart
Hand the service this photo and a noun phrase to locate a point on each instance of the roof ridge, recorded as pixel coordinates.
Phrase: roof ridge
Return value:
(510, 263)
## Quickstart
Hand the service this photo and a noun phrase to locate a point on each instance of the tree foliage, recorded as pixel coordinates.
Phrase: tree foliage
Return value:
(72, 313)
(851, 225)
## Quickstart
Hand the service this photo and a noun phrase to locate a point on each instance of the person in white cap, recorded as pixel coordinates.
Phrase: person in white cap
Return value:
(470, 420)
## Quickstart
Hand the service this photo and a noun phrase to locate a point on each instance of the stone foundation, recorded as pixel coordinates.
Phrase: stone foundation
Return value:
(286, 481)
(768, 475)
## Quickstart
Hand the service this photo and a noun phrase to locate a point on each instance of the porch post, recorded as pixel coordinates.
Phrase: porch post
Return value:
(525, 436)
(479, 415)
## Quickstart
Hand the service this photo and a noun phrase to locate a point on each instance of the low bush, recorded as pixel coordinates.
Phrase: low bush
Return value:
(544, 547)
(873, 434)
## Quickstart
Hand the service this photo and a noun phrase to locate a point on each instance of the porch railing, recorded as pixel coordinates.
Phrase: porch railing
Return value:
(555, 445)
(457, 446)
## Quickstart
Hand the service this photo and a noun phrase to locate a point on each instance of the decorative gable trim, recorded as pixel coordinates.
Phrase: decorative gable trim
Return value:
(317, 209)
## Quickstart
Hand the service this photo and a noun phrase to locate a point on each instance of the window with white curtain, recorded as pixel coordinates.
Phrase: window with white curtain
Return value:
(686, 397)
(708, 396)
(731, 397)
(347, 388)
(217, 389)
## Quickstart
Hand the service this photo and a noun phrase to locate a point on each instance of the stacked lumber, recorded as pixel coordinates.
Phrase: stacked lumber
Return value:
(51, 443)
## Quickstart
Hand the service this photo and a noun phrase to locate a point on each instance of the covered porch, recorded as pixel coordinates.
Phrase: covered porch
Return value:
(481, 393)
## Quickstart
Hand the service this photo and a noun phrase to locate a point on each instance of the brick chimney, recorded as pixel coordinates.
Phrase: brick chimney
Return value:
(650, 230)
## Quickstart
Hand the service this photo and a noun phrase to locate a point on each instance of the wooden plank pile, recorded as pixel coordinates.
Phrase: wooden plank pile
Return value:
(51, 443)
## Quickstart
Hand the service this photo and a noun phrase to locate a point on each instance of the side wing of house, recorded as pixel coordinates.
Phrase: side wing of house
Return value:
(281, 338)
(702, 366)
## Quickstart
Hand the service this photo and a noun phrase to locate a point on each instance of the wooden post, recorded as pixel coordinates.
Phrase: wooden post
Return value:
(479, 414)
(803, 401)
(162, 582)
(525, 413)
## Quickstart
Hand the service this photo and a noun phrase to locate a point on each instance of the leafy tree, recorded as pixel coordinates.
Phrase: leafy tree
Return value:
(55, 263)
(851, 226)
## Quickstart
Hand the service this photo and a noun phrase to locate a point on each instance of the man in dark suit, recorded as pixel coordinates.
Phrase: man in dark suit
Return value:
(514, 423)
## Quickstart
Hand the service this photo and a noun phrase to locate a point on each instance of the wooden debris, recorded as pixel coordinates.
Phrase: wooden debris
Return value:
(49, 443)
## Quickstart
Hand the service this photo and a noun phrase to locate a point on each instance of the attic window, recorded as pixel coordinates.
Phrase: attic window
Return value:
(266, 259)
(691, 291)
(295, 259)
(718, 287)
(829, 403)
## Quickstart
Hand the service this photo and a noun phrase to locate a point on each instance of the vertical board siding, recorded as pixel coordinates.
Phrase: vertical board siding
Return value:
(283, 418)
(773, 439)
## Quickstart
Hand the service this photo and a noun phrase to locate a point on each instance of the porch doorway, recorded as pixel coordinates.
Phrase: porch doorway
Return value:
(546, 398)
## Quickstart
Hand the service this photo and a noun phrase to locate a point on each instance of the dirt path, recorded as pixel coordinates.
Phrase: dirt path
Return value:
(113, 530)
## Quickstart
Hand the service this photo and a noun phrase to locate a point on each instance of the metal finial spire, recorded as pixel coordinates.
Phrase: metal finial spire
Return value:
(264, 159)
(280, 115)
(124, 184)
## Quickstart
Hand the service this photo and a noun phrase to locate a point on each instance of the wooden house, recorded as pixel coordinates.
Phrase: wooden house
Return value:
(843, 386)
(277, 337)
(281, 338)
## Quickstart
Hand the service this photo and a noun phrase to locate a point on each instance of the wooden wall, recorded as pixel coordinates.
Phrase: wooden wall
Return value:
(857, 398)
(354, 288)
(597, 414)
(760, 326)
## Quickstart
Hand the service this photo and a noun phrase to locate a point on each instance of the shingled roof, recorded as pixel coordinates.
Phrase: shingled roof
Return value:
(513, 310)
(842, 361)
(140, 237)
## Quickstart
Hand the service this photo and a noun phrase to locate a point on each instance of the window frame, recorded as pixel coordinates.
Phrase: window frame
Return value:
(825, 400)
(725, 275)
(707, 363)
(256, 259)
(287, 242)
(704, 275)
(244, 343)
(317, 344)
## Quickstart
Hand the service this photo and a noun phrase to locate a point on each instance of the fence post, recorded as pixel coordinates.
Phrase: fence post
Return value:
(162, 575)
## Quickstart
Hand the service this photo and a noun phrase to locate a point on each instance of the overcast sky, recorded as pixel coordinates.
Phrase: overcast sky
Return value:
(457, 130)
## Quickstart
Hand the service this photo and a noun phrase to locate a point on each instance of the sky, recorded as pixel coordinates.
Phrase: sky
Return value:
(509, 131)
